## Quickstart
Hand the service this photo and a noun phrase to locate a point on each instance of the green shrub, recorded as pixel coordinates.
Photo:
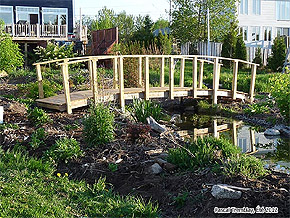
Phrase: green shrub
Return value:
(141, 109)
(247, 166)
(10, 54)
(98, 125)
(258, 56)
(4, 126)
(280, 90)
(256, 109)
(205, 152)
(37, 138)
(64, 149)
(278, 56)
(30, 90)
(241, 51)
(38, 116)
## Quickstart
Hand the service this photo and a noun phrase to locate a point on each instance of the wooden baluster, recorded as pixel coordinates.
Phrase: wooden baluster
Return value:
(181, 79)
(121, 85)
(253, 140)
(140, 82)
(65, 76)
(115, 71)
(253, 79)
(39, 79)
(90, 63)
(235, 133)
(194, 76)
(147, 75)
(215, 81)
(171, 79)
(235, 80)
(200, 81)
(162, 72)
(95, 81)
(215, 129)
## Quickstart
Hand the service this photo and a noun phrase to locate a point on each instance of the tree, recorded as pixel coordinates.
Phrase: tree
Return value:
(189, 19)
(160, 24)
(229, 43)
(164, 43)
(10, 54)
(240, 50)
(258, 56)
(278, 56)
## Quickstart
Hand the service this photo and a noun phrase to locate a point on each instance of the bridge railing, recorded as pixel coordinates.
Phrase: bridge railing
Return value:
(118, 74)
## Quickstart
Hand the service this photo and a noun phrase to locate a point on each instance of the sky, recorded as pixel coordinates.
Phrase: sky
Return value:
(155, 8)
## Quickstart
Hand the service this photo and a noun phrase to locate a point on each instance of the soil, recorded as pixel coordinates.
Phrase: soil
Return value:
(184, 194)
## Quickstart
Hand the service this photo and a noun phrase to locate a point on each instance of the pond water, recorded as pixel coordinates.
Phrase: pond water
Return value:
(251, 140)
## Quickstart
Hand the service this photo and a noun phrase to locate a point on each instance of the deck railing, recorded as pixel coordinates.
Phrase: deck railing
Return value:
(36, 30)
(118, 75)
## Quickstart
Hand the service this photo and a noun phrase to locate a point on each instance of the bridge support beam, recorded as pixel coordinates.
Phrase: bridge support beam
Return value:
(162, 72)
(253, 79)
(215, 81)
(39, 79)
(121, 85)
(95, 80)
(194, 76)
(200, 79)
(64, 70)
(235, 80)
(147, 71)
(171, 79)
(181, 79)
(140, 77)
(115, 71)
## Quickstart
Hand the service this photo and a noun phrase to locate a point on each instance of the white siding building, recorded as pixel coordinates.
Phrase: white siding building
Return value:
(263, 20)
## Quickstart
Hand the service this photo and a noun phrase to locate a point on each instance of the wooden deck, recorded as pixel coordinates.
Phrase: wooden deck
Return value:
(82, 98)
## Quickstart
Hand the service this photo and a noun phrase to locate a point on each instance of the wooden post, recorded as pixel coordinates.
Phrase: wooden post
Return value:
(253, 140)
(65, 76)
(25, 54)
(121, 84)
(181, 79)
(171, 79)
(235, 133)
(95, 80)
(215, 129)
(90, 63)
(115, 69)
(235, 80)
(140, 72)
(215, 81)
(200, 80)
(147, 92)
(39, 79)
(252, 87)
(162, 72)
(194, 76)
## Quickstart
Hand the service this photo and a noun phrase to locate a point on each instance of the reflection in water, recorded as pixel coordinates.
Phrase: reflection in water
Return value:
(241, 135)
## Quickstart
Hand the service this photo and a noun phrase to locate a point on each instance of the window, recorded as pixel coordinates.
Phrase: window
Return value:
(244, 32)
(6, 14)
(54, 16)
(256, 6)
(244, 7)
(283, 10)
(25, 14)
(267, 33)
(283, 31)
(255, 33)
(243, 144)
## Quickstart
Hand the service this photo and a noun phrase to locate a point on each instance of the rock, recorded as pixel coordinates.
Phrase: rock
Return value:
(3, 74)
(155, 126)
(176, 118)
(155, 169)
(222, 192)
(272, 132)
(167, 166)
(163, 155)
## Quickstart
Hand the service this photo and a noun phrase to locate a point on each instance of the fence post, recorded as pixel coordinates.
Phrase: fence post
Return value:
(171, 79)
(215, 81)
(235, 80)
(65, 76)
(253, 78)
(181, 79)
(115, 69)
(162, 72)
(200, 81)
(121, 85)
(147, 70)
(194, 76)
(39, 79)
(140, 72)
(95, 80)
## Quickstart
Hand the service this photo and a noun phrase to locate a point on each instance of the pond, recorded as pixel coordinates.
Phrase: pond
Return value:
(250, 139)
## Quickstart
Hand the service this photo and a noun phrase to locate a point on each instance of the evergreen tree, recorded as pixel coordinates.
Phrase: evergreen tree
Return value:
(278, 56)
(258, 57)
(229, 44)
(240, 49)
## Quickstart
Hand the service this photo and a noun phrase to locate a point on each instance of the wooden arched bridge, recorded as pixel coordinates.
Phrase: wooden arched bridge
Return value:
(69, 101)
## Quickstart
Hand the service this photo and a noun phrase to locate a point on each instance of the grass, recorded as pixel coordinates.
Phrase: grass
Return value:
(218, 154)
(32, 188)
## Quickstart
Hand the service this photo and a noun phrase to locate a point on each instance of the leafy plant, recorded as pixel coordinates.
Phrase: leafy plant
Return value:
(37, 138)
(181, 199)
(38, 116)
(64, 149)
(256, 109)
(98, 125)
(4, 126)
(113, 167)
(141, 109)
(138, 131)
